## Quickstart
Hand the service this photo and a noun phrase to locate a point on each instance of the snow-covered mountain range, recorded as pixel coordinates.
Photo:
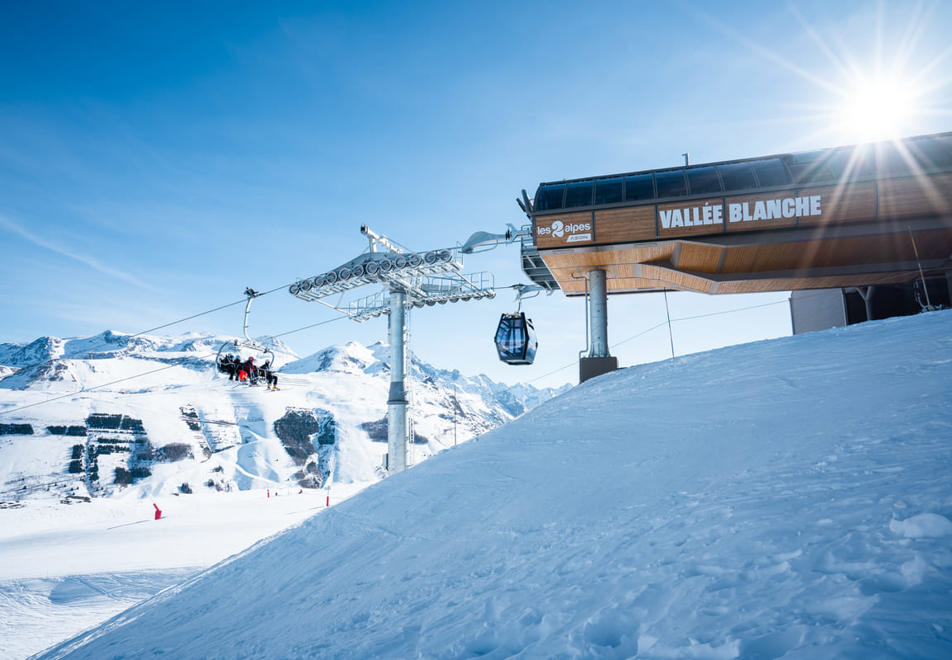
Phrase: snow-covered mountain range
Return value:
(151, 415)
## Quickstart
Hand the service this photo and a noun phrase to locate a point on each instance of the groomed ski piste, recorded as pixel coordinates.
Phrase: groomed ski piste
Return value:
(788, 498)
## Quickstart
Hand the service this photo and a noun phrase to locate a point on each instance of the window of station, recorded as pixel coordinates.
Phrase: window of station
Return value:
(811, 168)
(893, 160)
(851, 164)
(579, 194)
(703, 180)
(770, 172)
(932, 154)
(671, 183)
(846, 165)
(639, 187)
(549, 198)
(737, 176)
(608, 191)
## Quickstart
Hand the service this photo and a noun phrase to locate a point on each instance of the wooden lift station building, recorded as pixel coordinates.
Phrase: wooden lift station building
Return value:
(860, 227)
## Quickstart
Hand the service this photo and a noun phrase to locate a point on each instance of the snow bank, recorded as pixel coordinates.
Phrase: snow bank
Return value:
(775, 499)
(924, 525)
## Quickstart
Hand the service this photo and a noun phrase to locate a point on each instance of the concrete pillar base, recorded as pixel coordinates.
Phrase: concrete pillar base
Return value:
(589, 367)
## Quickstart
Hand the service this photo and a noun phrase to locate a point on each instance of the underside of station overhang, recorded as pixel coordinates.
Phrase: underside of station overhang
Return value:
(805, 258)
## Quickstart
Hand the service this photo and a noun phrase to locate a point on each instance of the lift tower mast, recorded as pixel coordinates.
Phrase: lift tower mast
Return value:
(408, 279)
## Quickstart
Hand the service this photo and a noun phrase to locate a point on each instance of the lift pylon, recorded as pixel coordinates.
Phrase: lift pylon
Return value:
(408, 279)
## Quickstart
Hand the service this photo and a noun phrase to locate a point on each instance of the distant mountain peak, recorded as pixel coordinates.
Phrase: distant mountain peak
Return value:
(39, 350)
(350, 357)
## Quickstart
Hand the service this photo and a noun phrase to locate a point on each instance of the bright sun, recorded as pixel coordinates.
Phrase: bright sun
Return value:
(878, 108)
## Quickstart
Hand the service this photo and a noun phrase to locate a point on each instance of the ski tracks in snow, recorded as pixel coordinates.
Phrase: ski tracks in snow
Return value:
(30, 607)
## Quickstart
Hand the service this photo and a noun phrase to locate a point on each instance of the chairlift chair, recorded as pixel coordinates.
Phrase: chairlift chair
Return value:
(247, 343)
(265, 354)
(516, 340)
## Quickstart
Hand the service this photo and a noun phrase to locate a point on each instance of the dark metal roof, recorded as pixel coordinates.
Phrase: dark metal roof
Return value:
(904, 157)
(947, 136)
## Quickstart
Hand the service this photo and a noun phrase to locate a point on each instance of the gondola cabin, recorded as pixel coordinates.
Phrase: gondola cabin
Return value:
(516, 340)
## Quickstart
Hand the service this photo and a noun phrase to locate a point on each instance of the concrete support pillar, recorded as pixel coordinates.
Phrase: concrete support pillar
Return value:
(397, 402)
(598, 361)
(598, 313)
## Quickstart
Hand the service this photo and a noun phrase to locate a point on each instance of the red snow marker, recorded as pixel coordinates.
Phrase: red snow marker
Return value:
(269, 492)
(158, 511)
(328, 501)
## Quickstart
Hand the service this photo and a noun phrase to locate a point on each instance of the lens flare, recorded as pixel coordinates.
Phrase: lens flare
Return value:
(879, 108)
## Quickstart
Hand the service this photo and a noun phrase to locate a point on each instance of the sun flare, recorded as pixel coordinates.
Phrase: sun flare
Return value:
(878, 108)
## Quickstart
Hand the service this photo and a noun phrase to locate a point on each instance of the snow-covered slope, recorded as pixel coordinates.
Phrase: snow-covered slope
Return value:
(786, 498)
(109, 414)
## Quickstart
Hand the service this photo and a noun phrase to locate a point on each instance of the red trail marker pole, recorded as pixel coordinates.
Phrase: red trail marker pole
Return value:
(158, 511)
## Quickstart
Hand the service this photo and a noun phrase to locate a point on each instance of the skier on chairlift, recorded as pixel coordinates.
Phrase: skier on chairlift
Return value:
(232, 366)
(227, 366)
(241, 371)
(270, 376)
(251, 370)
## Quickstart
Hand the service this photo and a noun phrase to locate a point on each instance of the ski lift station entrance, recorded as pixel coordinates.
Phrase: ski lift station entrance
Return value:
(870, 225)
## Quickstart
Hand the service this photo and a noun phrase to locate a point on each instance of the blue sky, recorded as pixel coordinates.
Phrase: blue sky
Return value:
(156, 159)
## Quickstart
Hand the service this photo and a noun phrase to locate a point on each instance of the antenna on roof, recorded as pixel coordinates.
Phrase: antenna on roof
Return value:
(686, 163)
(525, 204)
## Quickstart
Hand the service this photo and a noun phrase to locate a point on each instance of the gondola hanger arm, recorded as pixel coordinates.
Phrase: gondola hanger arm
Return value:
(483, 241)
(525, 291)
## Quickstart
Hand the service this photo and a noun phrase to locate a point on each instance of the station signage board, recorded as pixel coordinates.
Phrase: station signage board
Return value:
(564, 230)
(737, 213)
(706, 216)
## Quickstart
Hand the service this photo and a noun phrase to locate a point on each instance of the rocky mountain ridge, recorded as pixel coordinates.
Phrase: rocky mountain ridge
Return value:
(115, 414)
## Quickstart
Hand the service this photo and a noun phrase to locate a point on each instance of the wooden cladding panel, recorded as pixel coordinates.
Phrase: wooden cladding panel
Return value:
(570, 287)
(615, 285)
(828, 282)
(915, 196)
(631, 284)
(801, 257)
(758, 258)
(699, 257)
(654, 253)
(934, 244)
(676, 279)
(841, 204)
(605, 258)
(635, 223)
(552, 231)
(624, 271)
(857, 250)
